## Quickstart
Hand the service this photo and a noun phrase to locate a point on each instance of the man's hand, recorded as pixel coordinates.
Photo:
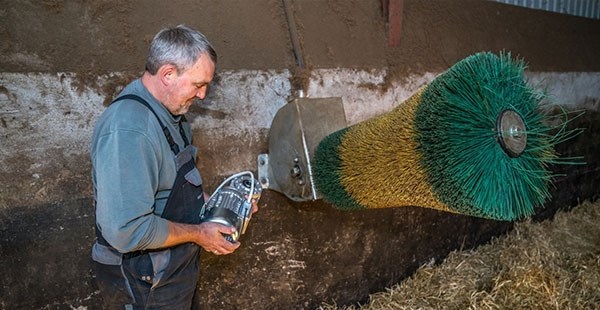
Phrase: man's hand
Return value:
(254, 205)
(207, 235)
(212, 238)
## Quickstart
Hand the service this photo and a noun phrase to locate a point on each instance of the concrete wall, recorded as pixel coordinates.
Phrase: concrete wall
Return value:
(48, 115)
(295, 255)
(62, 62)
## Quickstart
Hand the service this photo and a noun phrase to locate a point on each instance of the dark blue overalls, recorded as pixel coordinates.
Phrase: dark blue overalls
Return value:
(162, 278)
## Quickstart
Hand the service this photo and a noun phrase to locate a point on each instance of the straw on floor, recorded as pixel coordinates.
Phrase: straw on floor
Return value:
(554, 264)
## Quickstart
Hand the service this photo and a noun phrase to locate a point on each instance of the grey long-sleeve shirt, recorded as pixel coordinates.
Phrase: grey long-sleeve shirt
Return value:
(133, 170)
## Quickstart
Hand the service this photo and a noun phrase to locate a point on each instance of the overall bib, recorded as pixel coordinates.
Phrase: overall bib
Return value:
(161, 278)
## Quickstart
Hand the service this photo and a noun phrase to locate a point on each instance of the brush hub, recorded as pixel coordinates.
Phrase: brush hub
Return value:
(512, 133)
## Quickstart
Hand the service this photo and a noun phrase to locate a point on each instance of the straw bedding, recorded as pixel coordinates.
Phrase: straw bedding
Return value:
(554, 264)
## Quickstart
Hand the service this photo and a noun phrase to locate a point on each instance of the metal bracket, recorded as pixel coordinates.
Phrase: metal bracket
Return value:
(295, 132)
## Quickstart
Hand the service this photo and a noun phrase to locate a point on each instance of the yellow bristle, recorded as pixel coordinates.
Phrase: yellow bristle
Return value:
(381, 166)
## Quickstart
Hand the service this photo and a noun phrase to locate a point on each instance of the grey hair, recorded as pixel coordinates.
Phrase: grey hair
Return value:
(180, 46)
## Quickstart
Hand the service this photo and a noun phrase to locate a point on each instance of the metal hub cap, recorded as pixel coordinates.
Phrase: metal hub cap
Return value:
(512, 134)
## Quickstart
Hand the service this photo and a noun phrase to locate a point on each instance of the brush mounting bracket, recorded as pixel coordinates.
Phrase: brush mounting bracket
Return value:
(295, 132)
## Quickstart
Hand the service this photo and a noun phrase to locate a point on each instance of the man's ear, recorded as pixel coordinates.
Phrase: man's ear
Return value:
(167, 73)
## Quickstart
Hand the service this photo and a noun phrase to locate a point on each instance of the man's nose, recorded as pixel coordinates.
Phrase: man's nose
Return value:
(201, 94)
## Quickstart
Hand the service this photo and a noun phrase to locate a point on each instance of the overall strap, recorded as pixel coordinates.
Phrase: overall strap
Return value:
(172, 144)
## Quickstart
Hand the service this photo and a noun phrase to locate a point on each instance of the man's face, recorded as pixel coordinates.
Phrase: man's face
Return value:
(189, 85)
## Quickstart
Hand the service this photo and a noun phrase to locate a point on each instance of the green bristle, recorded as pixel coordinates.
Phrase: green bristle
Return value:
(445, 138)
(327, 178)
(456, 130)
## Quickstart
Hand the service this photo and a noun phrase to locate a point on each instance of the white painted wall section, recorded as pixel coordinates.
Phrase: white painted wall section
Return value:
(45, 111)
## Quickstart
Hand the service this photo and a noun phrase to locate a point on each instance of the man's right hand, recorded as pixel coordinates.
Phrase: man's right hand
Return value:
(212, 238)
(208, 235)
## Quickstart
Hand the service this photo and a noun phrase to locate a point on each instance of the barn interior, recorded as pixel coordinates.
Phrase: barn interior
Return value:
(62, 63)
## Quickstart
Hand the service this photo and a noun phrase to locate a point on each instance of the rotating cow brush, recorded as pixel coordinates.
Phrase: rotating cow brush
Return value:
(473, 141)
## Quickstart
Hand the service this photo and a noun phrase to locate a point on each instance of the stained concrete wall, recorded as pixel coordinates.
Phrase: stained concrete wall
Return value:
(294, 255)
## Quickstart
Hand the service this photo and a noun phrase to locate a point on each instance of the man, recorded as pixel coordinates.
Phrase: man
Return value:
(148, 191)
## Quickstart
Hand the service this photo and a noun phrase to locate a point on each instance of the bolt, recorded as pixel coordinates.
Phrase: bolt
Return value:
(296, 172)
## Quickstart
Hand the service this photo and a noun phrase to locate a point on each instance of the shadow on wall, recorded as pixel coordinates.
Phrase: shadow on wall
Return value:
(45, 255)
(576, 183)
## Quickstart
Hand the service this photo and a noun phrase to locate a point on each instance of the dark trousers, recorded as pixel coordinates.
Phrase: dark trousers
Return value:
(136, 284)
